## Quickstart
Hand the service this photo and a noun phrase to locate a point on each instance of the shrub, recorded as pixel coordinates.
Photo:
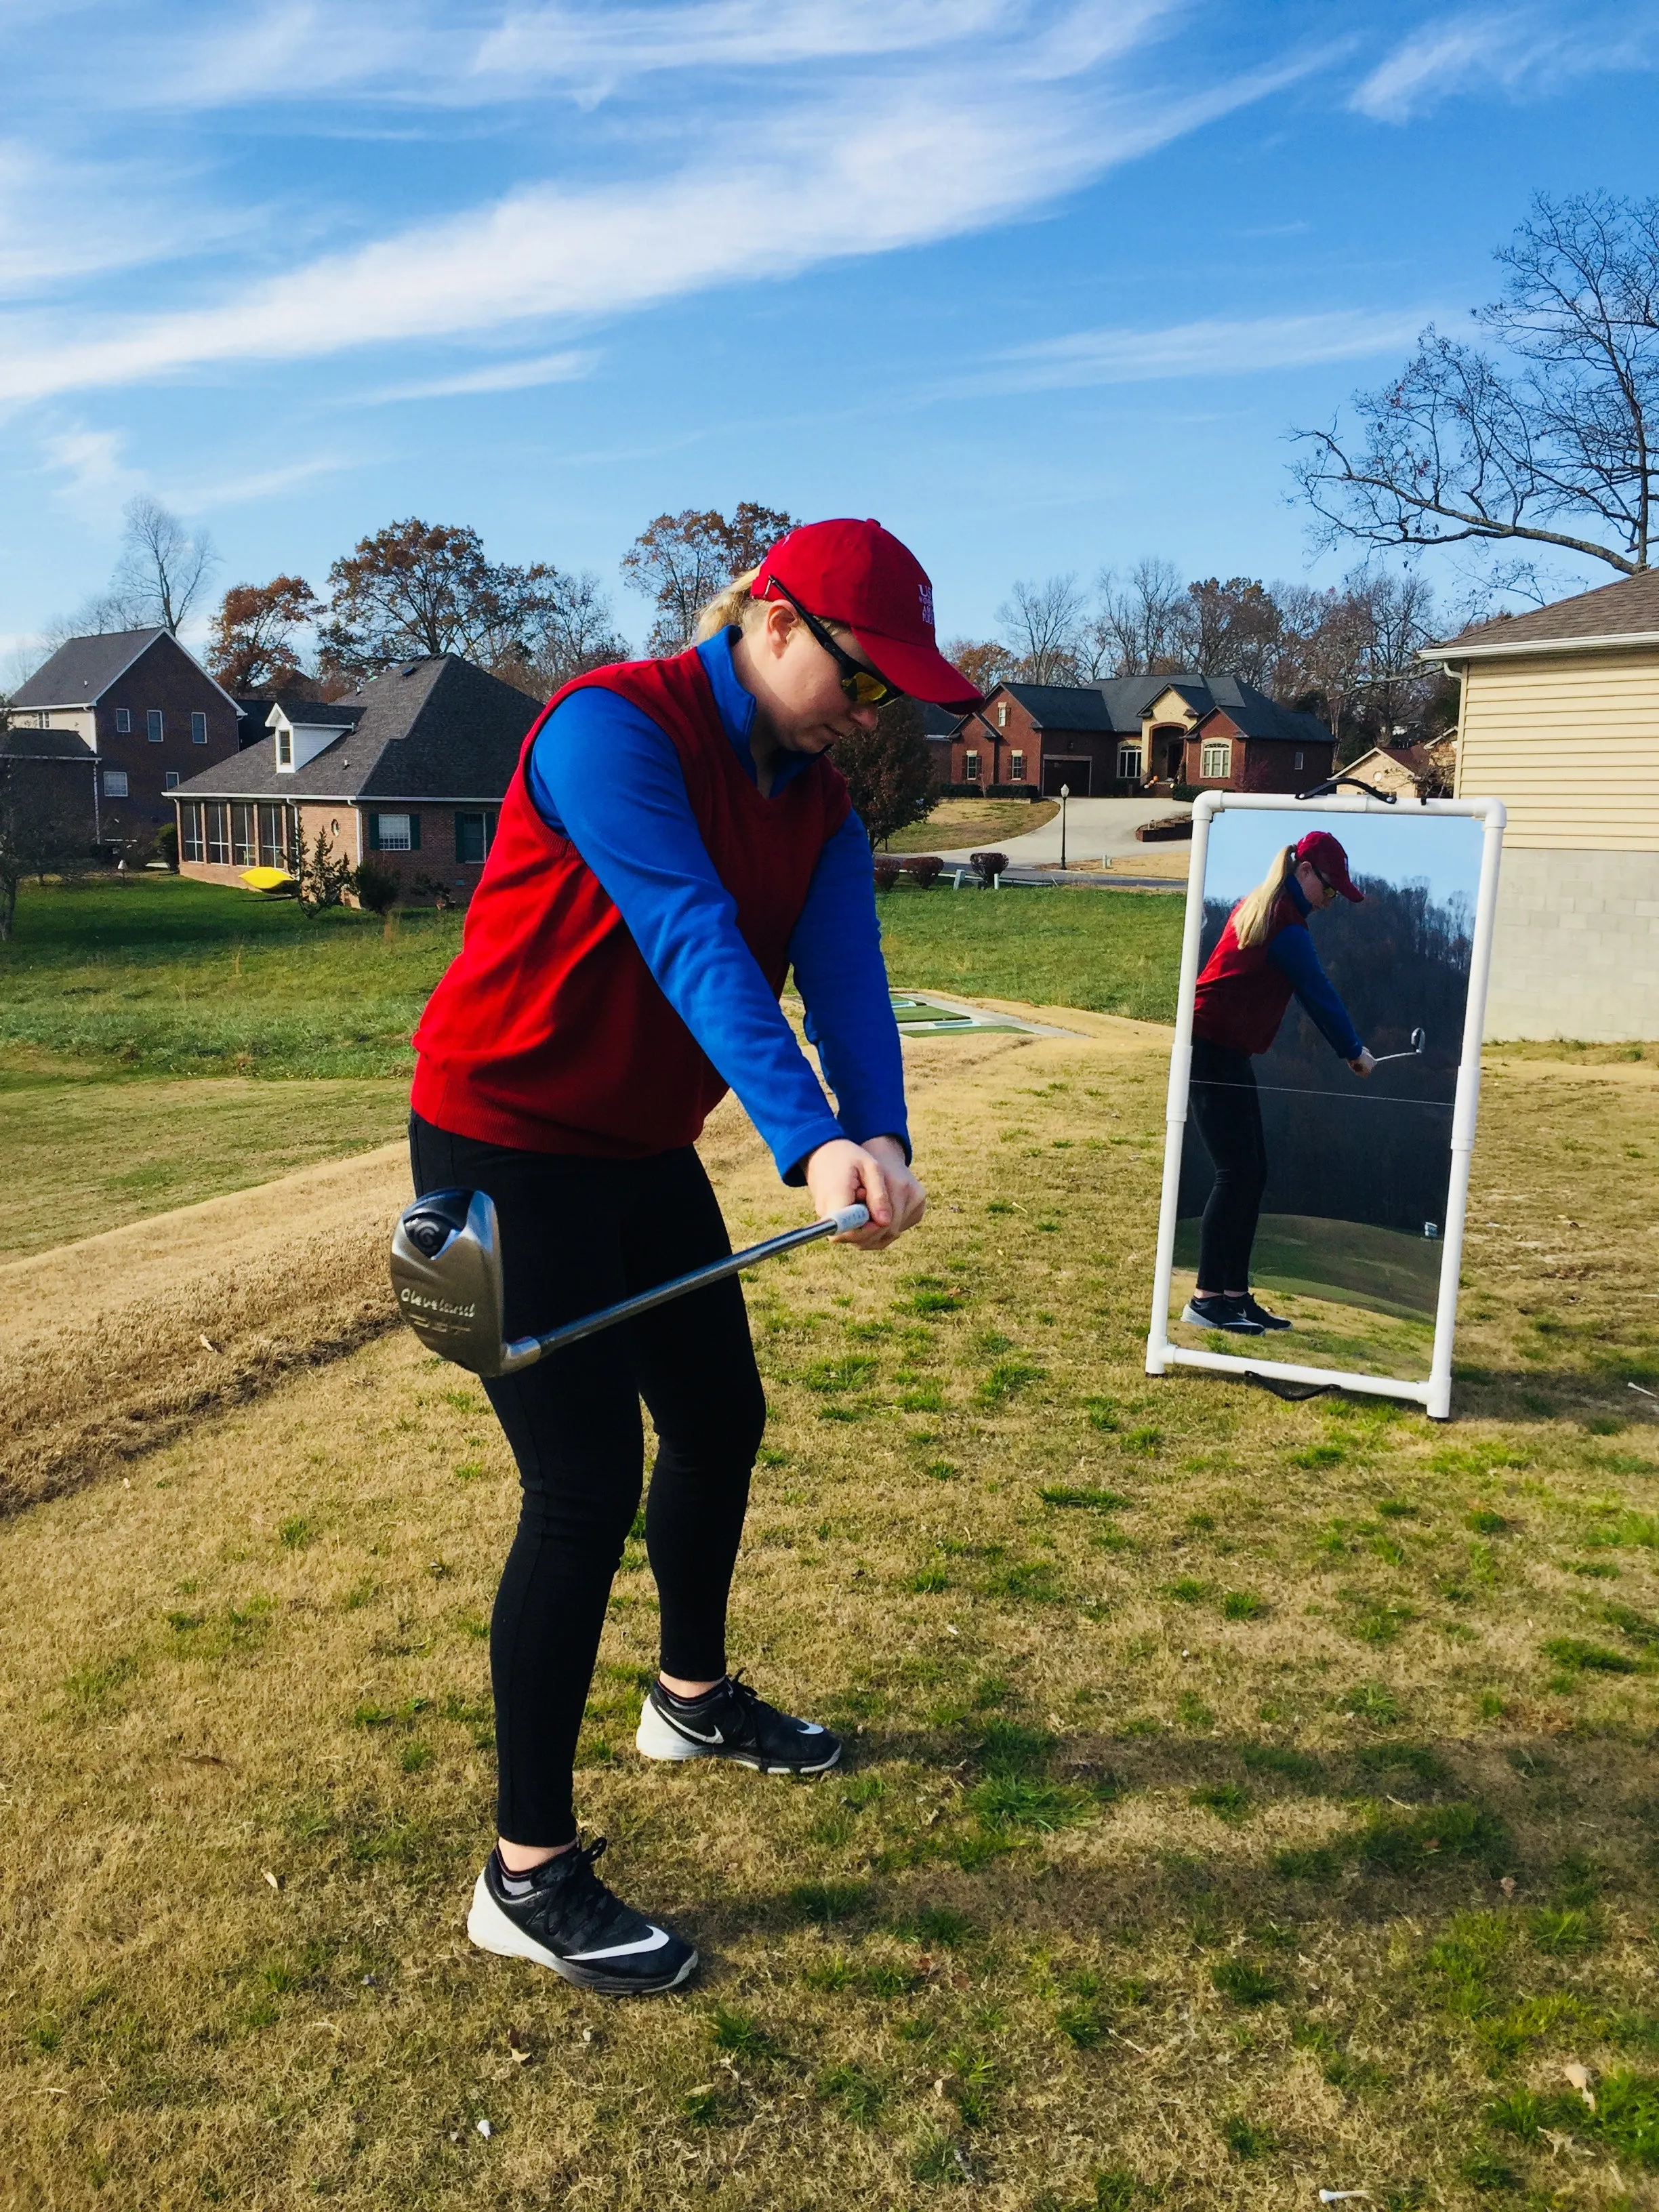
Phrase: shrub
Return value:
(989, 866)
(887, 867)
(378, 888)
(166, 845)
(924, 869)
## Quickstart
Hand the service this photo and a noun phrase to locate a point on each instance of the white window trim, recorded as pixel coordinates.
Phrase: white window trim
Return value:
(124, 721)
(388, 844)
(1125, 753)
(115, 783)
(158, 715)
(971, 767)
(1214, 748)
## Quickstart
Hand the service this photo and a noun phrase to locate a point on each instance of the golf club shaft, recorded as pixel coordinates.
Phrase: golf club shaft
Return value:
(526, 1350)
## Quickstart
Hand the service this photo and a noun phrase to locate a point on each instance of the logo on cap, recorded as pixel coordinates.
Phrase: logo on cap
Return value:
(926, 595)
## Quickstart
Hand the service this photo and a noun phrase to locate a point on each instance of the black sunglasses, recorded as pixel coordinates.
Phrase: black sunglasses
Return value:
(863, 687)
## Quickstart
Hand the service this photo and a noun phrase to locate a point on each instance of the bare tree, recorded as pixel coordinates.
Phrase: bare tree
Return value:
(1235, 629)
(162, 571)
(571, 633)
(680, 561)
(1561, 452)
(1142, 626)
(1044, 622)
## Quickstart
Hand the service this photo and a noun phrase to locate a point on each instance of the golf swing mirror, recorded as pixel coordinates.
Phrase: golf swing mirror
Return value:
(447, 1278)
(1323, 1086)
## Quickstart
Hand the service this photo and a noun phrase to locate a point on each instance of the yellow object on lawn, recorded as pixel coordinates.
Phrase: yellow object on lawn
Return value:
(267, 879)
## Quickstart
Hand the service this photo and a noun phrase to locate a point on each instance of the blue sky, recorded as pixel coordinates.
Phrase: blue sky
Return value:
(1041, 285)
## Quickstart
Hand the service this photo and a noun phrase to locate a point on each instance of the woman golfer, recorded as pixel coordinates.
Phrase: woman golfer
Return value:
(673, 843)
(1266, 954)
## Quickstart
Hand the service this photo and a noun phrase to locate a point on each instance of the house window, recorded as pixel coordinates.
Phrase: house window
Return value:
(474, 834)
(170, 780)
(1128, 763)
(218, 835)
(124, 721)
(1217, 762)
(284, 746)
(244, 850)
(1299, 760)
(271, 853)
(190, 824)
(1002, 714)
(970, 767)
(153, 725)
(198, 729)
(115, 783)
(394, 833)
(1016, 767)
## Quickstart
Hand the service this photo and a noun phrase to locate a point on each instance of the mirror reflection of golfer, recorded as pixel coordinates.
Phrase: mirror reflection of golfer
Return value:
(674, 841)
(1265, 957)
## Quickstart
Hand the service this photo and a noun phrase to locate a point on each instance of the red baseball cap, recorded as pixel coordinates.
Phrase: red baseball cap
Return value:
(1320, 847)
(858, 574)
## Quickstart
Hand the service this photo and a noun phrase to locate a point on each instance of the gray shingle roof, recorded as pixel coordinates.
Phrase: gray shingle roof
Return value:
(82, 670)
(1116, 705)
(1627, 608)
(19, 744)
(429, 730)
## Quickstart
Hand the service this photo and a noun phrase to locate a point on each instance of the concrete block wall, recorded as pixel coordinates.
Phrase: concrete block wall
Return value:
(1576, 950)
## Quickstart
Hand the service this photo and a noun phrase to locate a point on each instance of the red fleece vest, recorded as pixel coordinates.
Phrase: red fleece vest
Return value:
(548, 1031)
(1241, 997)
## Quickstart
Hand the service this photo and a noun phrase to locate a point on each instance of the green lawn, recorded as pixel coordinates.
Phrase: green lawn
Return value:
(1115, 953)
(162, 977)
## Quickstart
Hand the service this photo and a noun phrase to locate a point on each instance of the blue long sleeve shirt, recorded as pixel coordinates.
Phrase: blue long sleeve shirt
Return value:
(1292, 951)
(602, 773)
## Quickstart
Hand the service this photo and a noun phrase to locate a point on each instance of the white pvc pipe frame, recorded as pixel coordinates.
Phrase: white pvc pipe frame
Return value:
(1434, 1395)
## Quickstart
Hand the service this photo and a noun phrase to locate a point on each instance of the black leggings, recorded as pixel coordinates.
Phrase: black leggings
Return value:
(577, 1234)
(1223, 1101)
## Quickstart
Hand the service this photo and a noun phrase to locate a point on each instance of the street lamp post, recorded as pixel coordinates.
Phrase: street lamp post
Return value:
(1065, 794)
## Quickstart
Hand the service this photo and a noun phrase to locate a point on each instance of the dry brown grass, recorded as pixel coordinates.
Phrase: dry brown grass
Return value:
(1134, 1890)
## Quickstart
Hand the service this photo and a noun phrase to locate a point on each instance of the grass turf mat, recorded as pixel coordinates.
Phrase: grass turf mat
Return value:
(1228, 1778)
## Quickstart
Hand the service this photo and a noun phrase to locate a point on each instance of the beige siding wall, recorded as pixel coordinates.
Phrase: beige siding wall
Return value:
(1576, 952)
(1569, 742)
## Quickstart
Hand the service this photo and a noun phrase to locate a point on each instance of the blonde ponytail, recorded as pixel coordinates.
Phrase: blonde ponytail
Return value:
(1253, 917)
(731, 609)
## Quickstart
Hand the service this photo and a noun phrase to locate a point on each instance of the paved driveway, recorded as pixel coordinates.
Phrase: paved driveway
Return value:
(1096, 829)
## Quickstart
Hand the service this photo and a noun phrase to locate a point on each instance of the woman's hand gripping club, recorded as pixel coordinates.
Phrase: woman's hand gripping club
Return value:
(875, 1175)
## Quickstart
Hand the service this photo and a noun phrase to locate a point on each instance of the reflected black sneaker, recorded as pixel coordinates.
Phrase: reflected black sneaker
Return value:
(733, 1722)
(561, 1915)
(1260, 1315)
(1222, 1313)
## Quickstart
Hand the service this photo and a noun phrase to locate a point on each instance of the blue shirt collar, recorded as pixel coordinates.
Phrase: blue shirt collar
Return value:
(737, 711)
(1303, 903)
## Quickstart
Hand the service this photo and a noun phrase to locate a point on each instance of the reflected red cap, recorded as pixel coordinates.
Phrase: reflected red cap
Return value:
(858, 574)
(1332, 862)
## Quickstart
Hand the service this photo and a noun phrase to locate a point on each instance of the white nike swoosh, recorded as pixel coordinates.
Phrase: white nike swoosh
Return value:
(653, 1941)
(695, 1735)
(811, 1728)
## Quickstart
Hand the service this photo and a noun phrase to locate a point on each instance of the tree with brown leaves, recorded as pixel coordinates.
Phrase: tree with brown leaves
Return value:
(253, 644)
(679, 562)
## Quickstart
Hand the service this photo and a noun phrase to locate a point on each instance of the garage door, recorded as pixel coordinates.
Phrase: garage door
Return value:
(1073, 773)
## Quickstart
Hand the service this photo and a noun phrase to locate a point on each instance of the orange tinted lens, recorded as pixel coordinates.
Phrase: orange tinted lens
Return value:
(866, 689)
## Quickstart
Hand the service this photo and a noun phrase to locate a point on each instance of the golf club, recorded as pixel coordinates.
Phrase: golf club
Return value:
(447, 1277)
(1419, 1045)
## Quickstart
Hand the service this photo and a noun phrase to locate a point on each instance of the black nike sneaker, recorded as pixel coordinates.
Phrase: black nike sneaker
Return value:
(1260, 1315)
(733, 1722)
(1222, 1313)
(561, 1915)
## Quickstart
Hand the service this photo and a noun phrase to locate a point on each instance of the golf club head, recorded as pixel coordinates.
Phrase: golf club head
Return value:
(1419, 1041)
(447, 1277)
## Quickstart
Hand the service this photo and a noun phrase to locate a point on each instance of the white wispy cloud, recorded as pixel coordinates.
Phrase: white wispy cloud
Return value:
(1214, 347)
(1518, 51)
(89, 467)
(520, 375)
(854, 170)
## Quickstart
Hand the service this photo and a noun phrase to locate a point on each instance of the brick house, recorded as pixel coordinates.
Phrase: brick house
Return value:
(1131, 734)
(147, 716)
(410, 771)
